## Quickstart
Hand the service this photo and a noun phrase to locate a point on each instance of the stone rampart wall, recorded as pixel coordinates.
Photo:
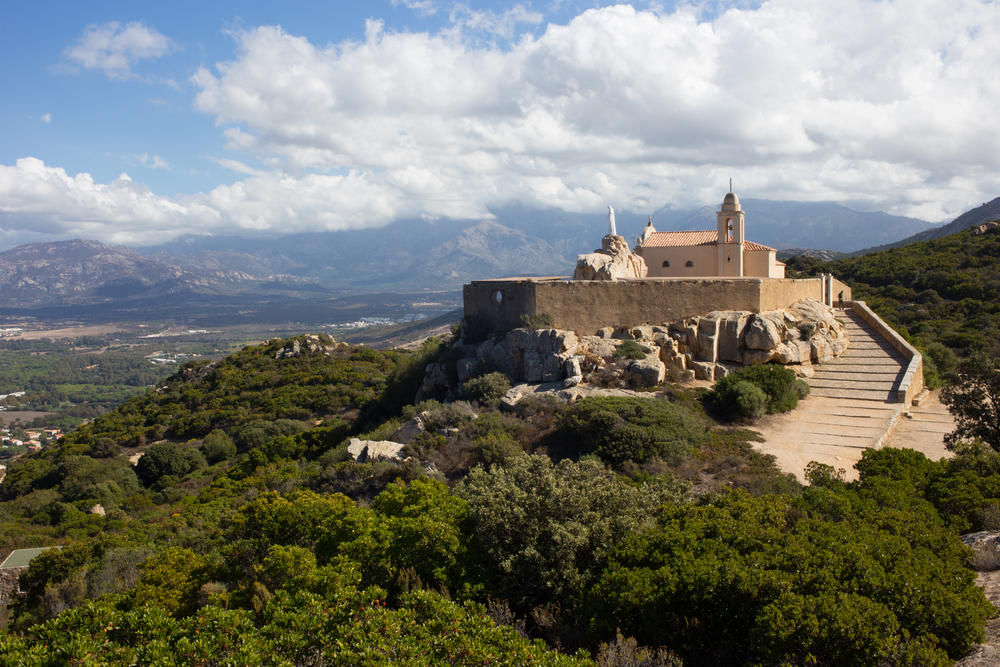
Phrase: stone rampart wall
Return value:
(498, 305)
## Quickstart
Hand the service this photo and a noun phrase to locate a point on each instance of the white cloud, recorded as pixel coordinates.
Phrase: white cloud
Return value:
(423, 7)
(236, 165)
(38, 198)
(641, 108)
(113, 48)
(153, 161)
(46, 118)
(884, 104)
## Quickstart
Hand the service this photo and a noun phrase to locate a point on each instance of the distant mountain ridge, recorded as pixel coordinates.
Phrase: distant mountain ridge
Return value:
(521, 241)
(87, 272)
(406, 256)
(987, 211)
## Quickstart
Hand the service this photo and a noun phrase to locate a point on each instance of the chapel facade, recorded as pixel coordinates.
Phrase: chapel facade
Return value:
(724, 252)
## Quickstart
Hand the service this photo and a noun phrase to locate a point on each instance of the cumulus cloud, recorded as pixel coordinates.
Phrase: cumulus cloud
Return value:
(45, 118)
(881, 104)
(850, 100)
(114, 48)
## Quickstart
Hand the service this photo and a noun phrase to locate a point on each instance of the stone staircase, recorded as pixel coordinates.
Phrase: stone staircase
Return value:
(851, 406)
(870, 370)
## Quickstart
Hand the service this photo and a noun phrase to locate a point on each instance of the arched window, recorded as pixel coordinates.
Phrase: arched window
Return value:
(729, 259)
(666, 263)
(689, 264)
(729, 230)
(498, 297)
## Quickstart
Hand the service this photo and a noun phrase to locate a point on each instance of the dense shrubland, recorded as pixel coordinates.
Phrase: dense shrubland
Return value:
(943, 294)
(615, 530)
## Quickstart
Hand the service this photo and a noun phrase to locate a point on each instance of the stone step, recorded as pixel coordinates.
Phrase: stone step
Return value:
(871, 362)
(882, 386)
(846, 373)
(862, 394)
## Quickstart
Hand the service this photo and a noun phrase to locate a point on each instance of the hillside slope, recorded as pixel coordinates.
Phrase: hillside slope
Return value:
(976, 216)
(943, 293)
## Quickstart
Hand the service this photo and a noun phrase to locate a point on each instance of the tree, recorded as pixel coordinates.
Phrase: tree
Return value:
(543, 529)
(975, 401)
(218, 446)
(166, 458)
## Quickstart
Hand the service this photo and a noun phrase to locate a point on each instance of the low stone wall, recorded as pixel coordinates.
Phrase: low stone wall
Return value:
(912, 382)
(586, 306)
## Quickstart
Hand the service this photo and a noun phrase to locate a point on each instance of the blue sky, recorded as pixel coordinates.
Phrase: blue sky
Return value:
(137, 122)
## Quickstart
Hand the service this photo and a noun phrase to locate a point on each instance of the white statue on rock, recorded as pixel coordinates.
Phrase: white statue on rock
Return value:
(614, 261)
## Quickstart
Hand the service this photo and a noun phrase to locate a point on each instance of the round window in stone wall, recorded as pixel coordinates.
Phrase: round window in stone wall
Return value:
(666, 262)
(498, 297)
(689, 264)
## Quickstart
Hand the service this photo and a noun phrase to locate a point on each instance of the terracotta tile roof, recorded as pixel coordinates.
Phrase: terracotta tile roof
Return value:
(671, 239)
(705, 237)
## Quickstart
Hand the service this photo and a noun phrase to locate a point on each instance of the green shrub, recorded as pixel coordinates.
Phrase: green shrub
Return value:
(488, 389)
(448, 415)
(631, 350)
(619, 429)
(218, 446)
(167, 458)
(731, 399)
(750, 401)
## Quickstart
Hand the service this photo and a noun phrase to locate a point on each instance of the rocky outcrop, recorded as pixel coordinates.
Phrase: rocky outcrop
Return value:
(614, 261)
(310, 344)
(369, 451)
(706, 347)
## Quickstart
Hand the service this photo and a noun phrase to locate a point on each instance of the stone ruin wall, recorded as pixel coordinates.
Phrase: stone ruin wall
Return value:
(493, 306)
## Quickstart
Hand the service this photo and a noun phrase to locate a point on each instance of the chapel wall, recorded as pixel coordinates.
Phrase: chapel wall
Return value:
(704, 260)
(587, 306)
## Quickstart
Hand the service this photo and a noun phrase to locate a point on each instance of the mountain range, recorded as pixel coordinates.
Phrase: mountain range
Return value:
(230, 275)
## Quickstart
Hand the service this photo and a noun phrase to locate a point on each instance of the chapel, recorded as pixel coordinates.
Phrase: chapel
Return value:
(723, 252)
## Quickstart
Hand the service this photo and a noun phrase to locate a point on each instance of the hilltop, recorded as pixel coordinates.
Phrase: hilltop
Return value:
(252, 525)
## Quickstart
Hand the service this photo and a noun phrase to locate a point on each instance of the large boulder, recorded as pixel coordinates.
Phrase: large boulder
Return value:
(647, 372)
(368, 451)
(614, 261)
(762, 333)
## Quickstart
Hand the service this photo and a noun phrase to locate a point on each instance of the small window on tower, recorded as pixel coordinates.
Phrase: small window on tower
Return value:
(729, 259)
(689, 263)
(666, 262)
(729, 230)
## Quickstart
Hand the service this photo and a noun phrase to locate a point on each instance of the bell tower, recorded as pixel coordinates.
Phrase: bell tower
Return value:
(730, 239)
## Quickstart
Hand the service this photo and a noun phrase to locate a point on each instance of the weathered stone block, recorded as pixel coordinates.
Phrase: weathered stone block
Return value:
(757, 356)
(644, 332)
(647, 372)
(466, 368)
(708, 326)
(761, 334)
(552, 366)
(730, 330)
(532, 366)
(707, 347)
(703, 370)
